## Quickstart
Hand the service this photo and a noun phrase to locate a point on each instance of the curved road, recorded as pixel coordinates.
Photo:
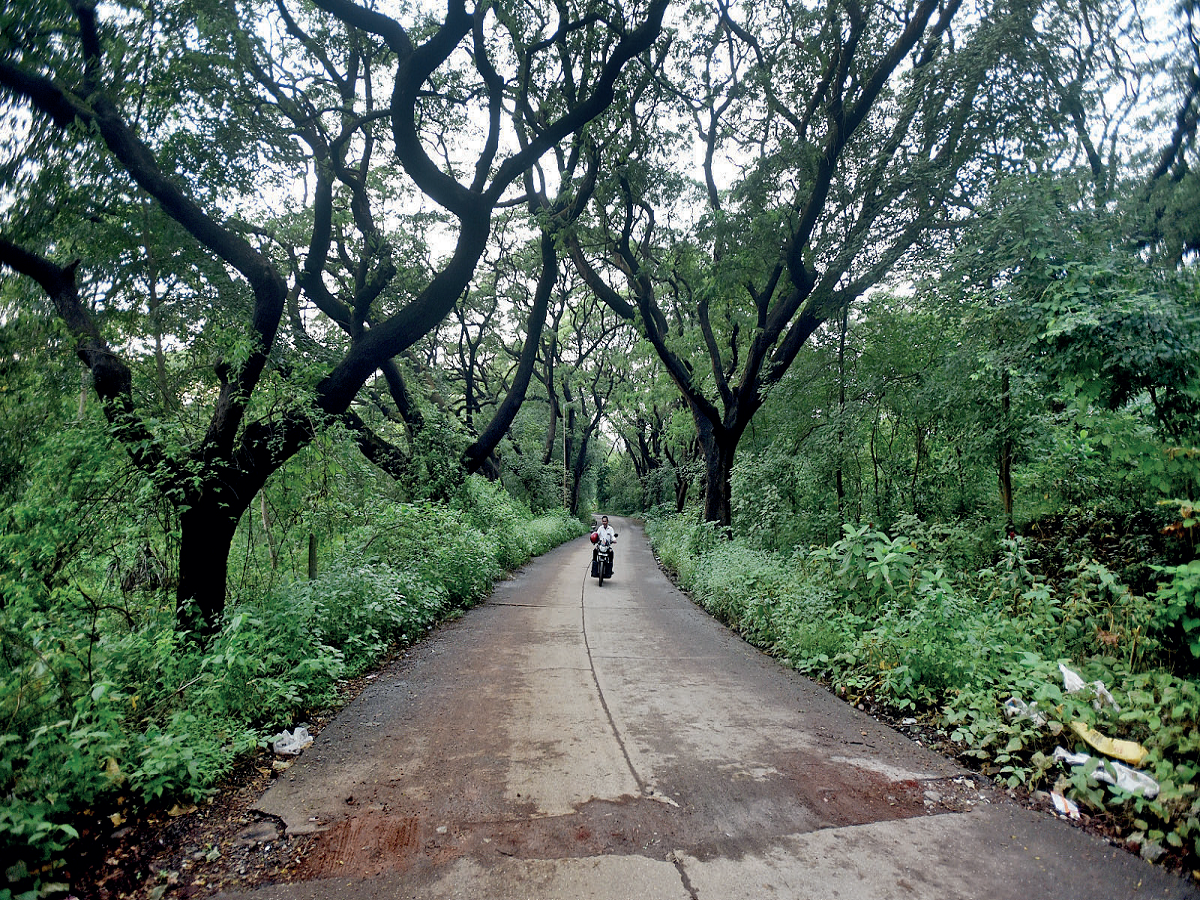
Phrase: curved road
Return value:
(565, 741)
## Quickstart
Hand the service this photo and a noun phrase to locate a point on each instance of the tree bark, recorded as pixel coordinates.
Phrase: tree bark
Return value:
(719, 445)
(206, 532)
(839, 484)
(1005, 452)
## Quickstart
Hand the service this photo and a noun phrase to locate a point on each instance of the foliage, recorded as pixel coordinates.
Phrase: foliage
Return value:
(106, 707)
(620, 490)
(227, 320)
(538, 485)
(910, 621)
(1180, 603)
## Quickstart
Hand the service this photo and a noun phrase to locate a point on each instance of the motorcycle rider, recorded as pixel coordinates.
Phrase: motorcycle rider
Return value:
(603, 533)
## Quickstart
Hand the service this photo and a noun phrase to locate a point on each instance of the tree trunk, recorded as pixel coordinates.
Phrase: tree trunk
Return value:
(839, 485)
(719, 446)
(682, 482)
(550, 444)
(682, 486)
(1005, 453)
(875, 466)
(919, 442)
(206, 534)
(578, 466)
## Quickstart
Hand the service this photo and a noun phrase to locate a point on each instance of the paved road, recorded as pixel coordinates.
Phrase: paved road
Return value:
(565, 741)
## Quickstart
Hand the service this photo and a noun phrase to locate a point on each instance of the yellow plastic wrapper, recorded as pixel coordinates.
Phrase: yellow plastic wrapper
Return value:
(1127, 751)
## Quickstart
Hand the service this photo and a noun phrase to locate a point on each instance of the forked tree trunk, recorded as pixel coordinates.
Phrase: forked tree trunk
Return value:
(682, 486)
(206, 535)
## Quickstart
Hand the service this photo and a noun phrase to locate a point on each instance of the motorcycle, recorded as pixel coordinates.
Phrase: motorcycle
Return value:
(602, 559)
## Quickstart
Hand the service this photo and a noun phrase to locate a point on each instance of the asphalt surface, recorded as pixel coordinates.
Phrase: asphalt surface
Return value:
(564, 741)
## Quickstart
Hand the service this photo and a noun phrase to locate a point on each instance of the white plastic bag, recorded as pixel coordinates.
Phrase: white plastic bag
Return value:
(1065, 806)
(1073, 684)
(1121, 775)
(1018, 709)
(285, 744)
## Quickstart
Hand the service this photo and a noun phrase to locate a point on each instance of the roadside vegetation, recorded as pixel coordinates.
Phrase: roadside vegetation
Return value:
(949, 624)
(109, 710)
(948, 507)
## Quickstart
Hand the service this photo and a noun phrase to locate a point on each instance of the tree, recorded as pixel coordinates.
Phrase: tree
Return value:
(853, 134)
(644, 415)
(1163, 204)
(584, 362)
(441, 80)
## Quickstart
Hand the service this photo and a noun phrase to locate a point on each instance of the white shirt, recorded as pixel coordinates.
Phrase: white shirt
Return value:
(606, 533)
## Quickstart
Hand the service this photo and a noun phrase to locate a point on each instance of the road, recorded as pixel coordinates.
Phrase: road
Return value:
(566, 741)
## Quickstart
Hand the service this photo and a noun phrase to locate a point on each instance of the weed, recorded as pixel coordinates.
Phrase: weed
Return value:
(892, 618)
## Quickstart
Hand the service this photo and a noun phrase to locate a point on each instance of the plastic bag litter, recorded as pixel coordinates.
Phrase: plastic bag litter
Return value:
(1121, 775)
(1065, 806)
(290, 744)
(1017, 709)
(1073, 684)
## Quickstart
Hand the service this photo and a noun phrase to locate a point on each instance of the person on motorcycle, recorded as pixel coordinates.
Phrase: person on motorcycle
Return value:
(604, 533)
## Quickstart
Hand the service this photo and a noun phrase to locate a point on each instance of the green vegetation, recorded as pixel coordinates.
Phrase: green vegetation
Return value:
(107, 708)
(313, 317)
(949, 623)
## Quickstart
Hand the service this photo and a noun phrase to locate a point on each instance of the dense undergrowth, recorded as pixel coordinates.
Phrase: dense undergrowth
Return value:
(950, 624)
(107, 709)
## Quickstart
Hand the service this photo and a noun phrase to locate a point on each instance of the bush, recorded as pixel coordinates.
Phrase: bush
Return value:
(892, 618)
(104, 705)
(547, 532)
(1178, 606)
(435, 545)
(363, 608)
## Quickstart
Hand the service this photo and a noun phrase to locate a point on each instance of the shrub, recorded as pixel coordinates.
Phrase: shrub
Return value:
(885, 617)
(1178, 601)
(103, 704)
(546, 532)
(436, 546)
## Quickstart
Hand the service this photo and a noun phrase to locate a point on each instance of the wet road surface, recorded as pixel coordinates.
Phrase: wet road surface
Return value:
(564, 740)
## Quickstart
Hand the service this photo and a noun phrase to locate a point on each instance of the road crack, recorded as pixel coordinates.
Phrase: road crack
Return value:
(600, 691)
(683, 876)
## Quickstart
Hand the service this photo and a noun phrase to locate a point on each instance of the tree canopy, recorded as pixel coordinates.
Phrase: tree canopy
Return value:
(256, 221)
(332, 112)
(304, 303)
